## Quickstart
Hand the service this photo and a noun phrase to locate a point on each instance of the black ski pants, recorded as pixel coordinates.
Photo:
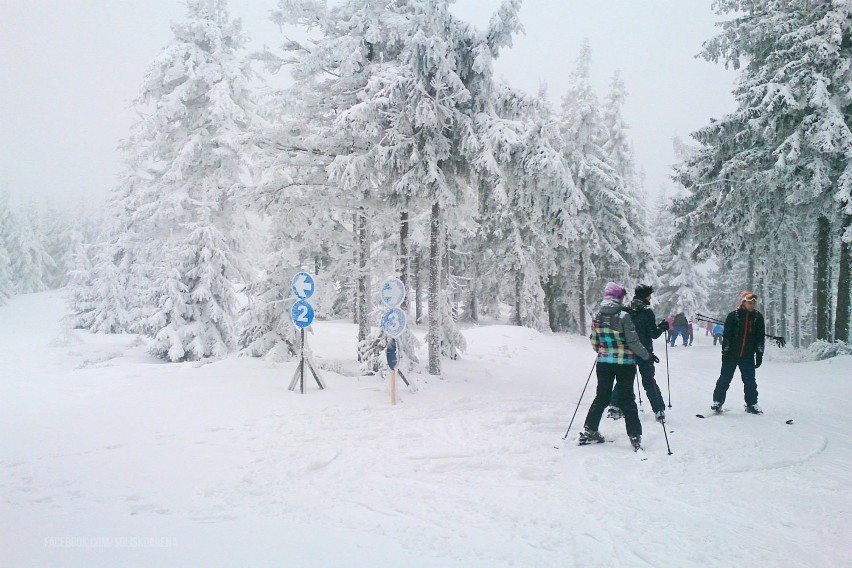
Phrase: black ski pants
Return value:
(649, 383)
(727, 374)
(623, 377)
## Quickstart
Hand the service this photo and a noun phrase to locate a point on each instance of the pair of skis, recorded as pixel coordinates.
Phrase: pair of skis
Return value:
(720, 412)
(636, 449)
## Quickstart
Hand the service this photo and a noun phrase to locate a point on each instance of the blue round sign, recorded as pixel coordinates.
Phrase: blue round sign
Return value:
(302, 285)
(302, 313)
(393, 322)
(392, 292)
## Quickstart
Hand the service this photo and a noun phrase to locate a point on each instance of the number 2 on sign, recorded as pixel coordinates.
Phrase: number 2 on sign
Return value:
(303, 314)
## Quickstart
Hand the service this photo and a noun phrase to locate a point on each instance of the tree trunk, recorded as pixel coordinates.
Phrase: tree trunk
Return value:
(418, 288)
(403, 258)
(519, 289)
(448, 285)
(434, 335)
(473, 295)
(582, 295)
(763, 296)
(823, 285)
(356, 302)
(782, 327)
(550, 302)
(797, 315)
(830, 292)
(750, 273)
(363, 277)
(844, 282)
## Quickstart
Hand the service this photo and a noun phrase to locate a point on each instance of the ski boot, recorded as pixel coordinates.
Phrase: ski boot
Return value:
(614, 413)
(636, 442)
(753, 409)
(716, 407)
(660, 416)
(588, 436)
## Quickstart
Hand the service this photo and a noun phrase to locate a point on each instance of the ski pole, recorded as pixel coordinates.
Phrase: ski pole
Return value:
(581, 398)
(668, 376)
(663, 423)
(639, 390)
(779, 340)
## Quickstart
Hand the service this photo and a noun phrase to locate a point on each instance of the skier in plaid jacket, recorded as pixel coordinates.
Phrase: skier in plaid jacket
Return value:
(617, 344)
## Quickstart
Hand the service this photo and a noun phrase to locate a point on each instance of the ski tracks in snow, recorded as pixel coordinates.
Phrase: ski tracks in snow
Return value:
(462, 473)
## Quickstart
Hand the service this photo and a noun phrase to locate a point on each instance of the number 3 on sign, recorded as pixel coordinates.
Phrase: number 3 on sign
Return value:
(302, 314)
(393, 322)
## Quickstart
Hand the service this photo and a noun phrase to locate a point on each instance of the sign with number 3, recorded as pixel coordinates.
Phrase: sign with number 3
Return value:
(393, 322)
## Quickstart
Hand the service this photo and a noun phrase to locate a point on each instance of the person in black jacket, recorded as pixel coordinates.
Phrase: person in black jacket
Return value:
(742, 346)
(647, 330)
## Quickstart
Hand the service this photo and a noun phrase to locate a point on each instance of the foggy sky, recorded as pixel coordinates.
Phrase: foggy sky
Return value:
(68, 71)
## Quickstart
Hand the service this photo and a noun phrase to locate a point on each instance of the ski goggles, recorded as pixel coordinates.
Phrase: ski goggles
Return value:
(749, 298)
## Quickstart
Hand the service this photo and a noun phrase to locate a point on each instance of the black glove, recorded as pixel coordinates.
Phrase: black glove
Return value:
(758, 359)
(655, 358)
(663, 325)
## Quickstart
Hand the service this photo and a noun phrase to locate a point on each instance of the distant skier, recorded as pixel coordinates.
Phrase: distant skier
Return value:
(690, 331)
(680, 329)
(643, 319)
(718, 330)
(742, 346)
(614, 338)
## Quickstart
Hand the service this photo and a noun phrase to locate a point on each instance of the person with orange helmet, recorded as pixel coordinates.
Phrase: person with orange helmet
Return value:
(742, 347)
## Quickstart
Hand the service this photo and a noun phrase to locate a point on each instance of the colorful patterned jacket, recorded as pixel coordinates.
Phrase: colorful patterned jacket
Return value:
(614, 335)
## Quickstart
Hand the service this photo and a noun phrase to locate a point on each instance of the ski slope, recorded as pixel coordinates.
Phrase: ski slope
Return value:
(112, 458)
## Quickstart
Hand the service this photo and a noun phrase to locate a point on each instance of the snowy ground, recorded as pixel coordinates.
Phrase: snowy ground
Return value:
(110, 458)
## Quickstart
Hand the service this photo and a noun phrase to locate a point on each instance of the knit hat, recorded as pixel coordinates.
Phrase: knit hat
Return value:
(613, 290)
(643, 291)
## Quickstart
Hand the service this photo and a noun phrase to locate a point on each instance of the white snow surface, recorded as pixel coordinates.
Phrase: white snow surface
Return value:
(112, 458)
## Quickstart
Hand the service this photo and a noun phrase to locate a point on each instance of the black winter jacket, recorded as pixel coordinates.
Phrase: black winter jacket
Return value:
(745, 335)
(645, 323)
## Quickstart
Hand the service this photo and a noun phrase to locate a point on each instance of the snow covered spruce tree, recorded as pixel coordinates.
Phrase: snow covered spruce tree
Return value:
(60, 239)
(98, 289)
(785, 152)
(310, 222)
(5, 275)
(404, 87)
(610, 241)
(451, 93)
(677, 270)
(528, 204)
(85, 237)
(641, 250)
(177, 239)
(29, 260)
(724, 288)
(6, 284)
(683, 288)
(327, 169)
